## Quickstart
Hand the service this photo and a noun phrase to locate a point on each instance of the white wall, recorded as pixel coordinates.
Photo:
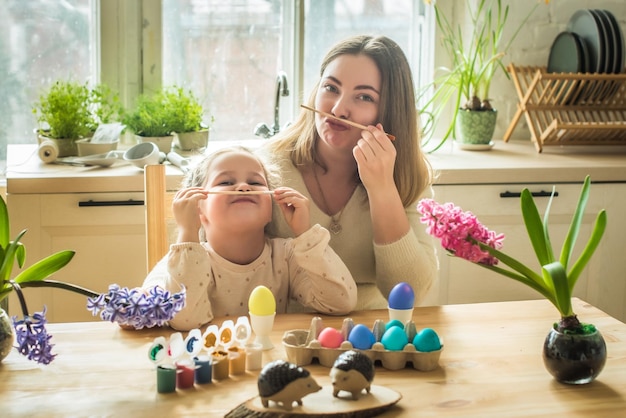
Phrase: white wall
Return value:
(532, 46)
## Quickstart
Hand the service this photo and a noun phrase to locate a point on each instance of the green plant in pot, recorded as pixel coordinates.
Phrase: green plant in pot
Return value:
(475, 52)
(151, 120)
(70, 111)
(187, 118)
(574, 352)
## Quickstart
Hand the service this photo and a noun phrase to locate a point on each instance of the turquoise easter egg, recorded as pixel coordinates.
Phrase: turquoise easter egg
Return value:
(427, 340)
(394, 323)
(394, 339)
(361, 337)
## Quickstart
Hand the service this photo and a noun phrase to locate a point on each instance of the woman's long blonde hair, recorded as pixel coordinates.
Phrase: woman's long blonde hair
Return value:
(398, 115)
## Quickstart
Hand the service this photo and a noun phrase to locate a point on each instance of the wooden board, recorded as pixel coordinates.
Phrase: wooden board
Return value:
(323, 404)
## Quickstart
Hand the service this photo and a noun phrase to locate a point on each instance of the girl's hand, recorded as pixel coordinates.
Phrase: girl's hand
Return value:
(185, 207)
(376, 157)
(295, 208)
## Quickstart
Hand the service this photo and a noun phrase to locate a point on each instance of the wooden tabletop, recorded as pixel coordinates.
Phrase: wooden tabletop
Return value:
(491, 366)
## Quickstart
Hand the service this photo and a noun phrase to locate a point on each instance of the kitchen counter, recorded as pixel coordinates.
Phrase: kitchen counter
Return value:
(512, 162)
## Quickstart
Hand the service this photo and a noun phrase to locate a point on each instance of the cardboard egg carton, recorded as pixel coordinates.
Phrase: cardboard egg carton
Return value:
(302, 346)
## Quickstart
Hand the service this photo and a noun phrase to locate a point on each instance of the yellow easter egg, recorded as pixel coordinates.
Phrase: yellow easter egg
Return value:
(261, 301)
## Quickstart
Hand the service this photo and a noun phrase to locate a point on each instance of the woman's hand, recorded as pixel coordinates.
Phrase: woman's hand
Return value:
(185, 207)
(376, 157)
(295, 208)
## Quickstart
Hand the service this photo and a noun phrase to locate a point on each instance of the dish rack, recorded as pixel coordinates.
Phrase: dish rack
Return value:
(570, 108)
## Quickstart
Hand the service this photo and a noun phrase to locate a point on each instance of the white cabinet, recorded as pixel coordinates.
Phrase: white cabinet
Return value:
(105, 229)
(603, 282)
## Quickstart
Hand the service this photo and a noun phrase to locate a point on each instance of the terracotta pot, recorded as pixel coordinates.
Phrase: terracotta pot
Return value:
(574, 358)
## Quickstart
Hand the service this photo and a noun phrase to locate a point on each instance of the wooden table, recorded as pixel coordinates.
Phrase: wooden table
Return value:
(491, 366)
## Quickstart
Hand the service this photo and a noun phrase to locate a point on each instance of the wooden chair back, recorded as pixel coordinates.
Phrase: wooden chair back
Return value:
(158, 202)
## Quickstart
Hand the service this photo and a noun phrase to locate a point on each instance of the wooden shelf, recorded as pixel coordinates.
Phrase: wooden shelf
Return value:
(570, 108)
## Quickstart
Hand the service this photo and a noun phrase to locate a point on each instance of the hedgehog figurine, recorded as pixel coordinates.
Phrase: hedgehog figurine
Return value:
(352, 372)
(284, 383)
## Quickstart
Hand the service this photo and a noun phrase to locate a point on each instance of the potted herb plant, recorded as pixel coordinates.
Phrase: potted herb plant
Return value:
(574, 352)
(475, 52)
(151, 120)
(187, 118)
(69, 111)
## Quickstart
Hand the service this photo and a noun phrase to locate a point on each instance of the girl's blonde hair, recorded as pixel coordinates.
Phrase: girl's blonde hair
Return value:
(198, 176)
(398, 115)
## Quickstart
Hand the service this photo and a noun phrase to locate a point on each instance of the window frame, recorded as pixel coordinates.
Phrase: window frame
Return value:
(131, 44)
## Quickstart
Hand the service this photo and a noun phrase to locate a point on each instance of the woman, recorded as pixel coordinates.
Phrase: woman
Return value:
(364, 188)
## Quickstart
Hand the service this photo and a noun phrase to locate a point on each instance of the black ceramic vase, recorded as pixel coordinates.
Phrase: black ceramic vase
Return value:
(574, 358)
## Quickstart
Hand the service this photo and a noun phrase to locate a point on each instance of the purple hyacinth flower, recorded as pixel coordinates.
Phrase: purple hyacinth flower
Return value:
(33, 339)
(137, 307)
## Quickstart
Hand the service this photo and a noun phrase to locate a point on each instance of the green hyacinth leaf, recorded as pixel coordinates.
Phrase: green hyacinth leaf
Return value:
(535, 229)
(557, 274)
(4, 224)
(45, 267)
(574, 228)
(15, 250)
(594, 240)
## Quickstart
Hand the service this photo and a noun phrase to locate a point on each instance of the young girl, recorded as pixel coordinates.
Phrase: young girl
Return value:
(223, 252)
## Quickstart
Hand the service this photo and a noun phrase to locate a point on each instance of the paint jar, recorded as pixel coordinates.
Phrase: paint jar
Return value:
(166, 379)
(219, 360)
(204, 370)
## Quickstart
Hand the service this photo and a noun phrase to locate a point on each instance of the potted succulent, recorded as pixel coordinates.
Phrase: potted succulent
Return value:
(187, 118)
(574, 352)
(69, 111)
(475, 55)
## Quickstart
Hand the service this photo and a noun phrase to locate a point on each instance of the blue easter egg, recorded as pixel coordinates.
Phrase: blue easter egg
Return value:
(401, 296)
(427, 340)
(394, 323)
(394, 339)
(361, 337)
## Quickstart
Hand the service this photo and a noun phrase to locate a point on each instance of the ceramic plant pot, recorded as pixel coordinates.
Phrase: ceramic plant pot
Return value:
(193, 140)
(6, 334)
(476, 127)
(574, 358)
(164, 143)
(86, 147)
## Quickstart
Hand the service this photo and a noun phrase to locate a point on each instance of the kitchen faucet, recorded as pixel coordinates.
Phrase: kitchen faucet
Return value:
(281, 90)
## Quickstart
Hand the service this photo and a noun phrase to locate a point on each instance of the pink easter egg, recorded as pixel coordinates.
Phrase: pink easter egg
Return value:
(330, 338)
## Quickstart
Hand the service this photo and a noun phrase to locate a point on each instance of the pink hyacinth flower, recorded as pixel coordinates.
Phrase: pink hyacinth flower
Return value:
(459, 231)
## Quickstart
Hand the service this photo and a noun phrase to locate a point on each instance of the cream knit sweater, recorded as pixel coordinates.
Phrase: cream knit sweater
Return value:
(375, 268)
(303, 268)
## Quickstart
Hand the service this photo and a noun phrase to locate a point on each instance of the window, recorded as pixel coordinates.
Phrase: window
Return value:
(40, 42)
(228, 52)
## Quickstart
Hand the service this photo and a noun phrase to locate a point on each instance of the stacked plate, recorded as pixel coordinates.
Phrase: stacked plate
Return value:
(592, 43)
